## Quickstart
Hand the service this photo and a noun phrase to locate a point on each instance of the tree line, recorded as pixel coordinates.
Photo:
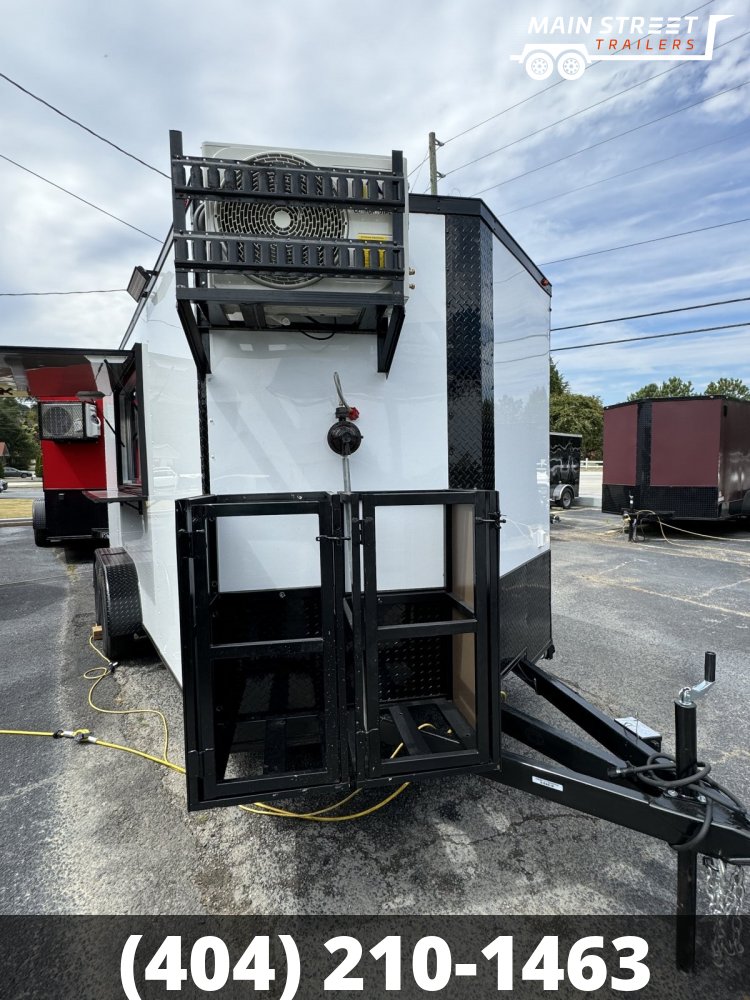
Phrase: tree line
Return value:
(18, 429)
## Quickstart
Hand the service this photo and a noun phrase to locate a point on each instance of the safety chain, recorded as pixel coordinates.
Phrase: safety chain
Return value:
(725, 885)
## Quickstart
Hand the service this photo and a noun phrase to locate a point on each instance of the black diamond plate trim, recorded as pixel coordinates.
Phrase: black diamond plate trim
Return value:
(525, 610)
(643, 444)
(413, 668)
(616, 499)
(266, 615)
(470, 336)
(699, 503)
(203, 435)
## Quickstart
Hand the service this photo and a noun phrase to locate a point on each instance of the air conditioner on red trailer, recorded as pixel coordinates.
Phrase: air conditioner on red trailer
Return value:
(69, 421)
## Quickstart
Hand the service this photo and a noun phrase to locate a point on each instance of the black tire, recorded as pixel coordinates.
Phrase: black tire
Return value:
(566, 498)
(39, 524)
(41, 539)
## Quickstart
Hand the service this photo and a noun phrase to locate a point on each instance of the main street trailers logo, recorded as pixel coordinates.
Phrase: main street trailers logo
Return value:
(659, 38)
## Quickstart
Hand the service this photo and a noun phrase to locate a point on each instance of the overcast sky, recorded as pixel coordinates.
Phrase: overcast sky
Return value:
(370, 78)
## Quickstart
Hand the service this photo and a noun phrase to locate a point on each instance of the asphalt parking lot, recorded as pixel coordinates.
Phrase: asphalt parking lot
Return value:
(85, 829)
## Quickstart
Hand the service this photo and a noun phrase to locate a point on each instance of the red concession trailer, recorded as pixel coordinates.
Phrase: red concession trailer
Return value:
(67, 385)
(683, 458)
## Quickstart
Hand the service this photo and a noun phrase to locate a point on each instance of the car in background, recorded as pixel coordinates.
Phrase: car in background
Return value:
(13, 473)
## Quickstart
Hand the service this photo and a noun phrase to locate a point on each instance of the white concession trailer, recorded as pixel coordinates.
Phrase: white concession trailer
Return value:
(348, 404)
(327, 464)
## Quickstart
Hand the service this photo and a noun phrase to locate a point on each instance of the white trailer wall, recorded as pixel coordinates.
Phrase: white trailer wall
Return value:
(271, 399)
(172, 446)
(521, 367)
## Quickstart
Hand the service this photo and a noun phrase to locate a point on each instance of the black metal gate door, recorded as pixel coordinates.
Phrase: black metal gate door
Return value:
(428, 659)
(262, 669)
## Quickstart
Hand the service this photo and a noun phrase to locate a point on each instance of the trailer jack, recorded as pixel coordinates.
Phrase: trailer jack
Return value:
(627, 781)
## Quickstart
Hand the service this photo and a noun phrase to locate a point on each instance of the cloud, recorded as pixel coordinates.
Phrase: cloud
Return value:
(347, 76)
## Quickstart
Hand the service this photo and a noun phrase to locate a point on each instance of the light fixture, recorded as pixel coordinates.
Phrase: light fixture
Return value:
(138, 281)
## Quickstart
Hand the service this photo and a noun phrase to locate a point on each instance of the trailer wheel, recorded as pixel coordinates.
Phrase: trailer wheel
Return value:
(117, 600)
(39, 524)
(566, 498)
(539, 65)
(571, 65)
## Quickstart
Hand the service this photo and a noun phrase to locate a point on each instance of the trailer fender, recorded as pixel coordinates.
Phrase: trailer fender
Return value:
(563, 495)
(117, 598)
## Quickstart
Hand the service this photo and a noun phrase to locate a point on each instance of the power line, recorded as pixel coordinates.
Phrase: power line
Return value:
(85, 128)
(622, 173)
(418, 169)
(617, 135)
(79, 198)
(660, 312)
(560, 121)
(650, 336)
(640, 243)
(537, 93)
(88, 291)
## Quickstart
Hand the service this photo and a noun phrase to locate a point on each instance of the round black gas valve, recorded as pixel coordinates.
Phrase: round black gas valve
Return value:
(344, 437)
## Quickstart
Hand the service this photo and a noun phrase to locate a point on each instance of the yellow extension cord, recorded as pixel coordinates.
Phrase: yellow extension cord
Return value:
(97, 674)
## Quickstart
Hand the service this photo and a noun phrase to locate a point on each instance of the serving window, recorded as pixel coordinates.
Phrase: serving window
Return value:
(131, 437)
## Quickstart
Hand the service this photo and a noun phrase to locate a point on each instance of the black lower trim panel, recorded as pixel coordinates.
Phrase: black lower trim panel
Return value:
(525, 610)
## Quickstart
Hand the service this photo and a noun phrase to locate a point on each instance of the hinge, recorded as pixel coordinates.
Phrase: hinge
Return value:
(198, 762)
(186, 542)
(496, 519)
(358, 524)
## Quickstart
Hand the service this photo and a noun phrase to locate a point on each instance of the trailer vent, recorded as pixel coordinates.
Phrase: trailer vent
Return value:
(280, 221)
(68, 422)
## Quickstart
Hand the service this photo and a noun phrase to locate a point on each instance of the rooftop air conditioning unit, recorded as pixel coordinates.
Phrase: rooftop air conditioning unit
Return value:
(323, 226)
(69, 422)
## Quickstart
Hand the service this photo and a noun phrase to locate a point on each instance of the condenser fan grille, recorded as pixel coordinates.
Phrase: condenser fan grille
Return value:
(279, 221)
(62, 421)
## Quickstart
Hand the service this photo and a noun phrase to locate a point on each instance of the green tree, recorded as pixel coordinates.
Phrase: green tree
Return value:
(17, 431)
(735, 388)
(572, 413)
(557, 384)
(673, 386)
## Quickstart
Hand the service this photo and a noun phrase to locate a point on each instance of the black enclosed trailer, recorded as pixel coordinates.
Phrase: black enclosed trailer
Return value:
(564, 468)
(679, 458)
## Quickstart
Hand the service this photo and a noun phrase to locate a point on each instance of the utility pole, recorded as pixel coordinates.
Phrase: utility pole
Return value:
(434, 172)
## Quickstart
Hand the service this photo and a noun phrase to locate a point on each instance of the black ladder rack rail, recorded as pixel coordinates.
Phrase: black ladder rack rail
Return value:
(201, 256)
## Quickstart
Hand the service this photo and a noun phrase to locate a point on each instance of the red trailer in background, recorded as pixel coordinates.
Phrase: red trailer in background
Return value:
(73, 458)
(684, 458)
